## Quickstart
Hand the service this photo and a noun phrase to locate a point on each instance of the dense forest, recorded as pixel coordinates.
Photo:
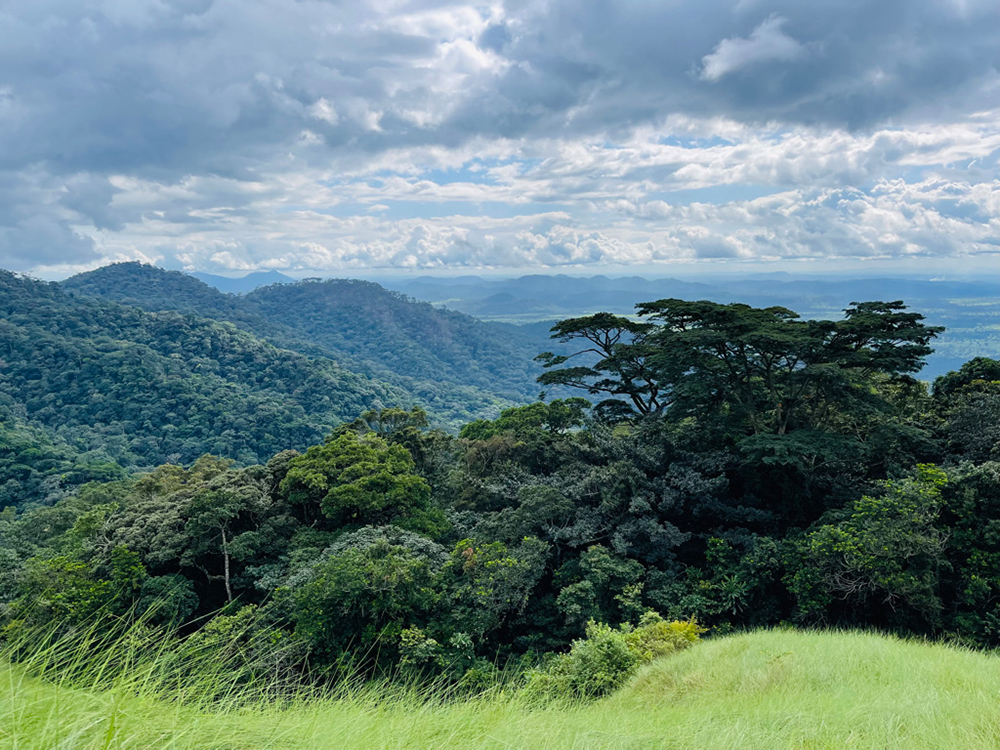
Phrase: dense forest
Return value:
(456, 367)
(142, 388)
(723, 466)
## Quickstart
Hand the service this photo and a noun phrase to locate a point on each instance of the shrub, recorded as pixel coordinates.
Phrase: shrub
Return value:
(655, 637)
(607, 657)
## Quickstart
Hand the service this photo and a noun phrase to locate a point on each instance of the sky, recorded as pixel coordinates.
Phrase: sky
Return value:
(420, 136)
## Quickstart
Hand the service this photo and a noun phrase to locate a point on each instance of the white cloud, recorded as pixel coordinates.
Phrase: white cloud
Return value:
(321, 109)
(766, 43)
(504, 133)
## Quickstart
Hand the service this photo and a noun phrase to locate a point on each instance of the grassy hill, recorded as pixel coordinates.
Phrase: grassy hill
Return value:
(765, 690)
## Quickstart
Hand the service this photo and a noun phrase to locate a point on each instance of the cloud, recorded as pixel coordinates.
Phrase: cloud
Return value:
(766, 43)
(416, 133)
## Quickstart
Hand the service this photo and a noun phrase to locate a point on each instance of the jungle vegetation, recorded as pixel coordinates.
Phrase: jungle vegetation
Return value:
(723, 467)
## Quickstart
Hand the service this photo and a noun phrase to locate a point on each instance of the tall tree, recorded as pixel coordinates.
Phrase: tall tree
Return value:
(764, 369)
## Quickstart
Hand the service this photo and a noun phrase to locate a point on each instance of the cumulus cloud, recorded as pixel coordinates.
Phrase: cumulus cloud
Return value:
(310, 134)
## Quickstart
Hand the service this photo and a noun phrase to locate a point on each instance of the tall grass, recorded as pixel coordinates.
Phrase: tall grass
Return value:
(770, 689)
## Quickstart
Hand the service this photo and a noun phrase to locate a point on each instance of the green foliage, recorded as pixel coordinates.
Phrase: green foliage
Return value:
(361, 599)
(655, 637)
(458, 367)
(762, 370)
(600, 586)
(886, 555)
(526, 422)
(493, 582)
(148, 388)
(69, 592)
(35, 470)
(977, 373)
(363, 480)
(608, 657)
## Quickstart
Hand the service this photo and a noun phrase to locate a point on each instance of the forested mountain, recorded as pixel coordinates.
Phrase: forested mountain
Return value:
(409, 337)
(457, 367)
(37, 470)
(153, 288)
(145, 388)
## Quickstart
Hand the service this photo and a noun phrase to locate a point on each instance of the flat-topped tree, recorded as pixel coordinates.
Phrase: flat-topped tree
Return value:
(805, 402)
(621, 368)
(764, 369)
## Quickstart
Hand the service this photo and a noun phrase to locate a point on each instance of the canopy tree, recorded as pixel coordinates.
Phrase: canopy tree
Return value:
(805, 402)
(362, 480)
(765, 370)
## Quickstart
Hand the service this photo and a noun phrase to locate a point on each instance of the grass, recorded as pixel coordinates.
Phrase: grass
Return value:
(770, 689)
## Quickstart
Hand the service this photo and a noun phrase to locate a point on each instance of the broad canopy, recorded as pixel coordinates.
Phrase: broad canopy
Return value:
(761, 370)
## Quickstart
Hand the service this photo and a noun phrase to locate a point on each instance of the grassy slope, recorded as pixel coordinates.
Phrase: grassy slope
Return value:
(778, 689)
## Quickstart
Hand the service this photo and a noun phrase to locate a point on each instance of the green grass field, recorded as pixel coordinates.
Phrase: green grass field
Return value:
(773, 689)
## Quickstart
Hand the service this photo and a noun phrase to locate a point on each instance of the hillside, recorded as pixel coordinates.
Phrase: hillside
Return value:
(408, 337)
(457, 367)
(146, 388)
(766, 690)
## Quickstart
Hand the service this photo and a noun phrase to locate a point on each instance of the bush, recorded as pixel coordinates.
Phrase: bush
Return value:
(607, 657)
(655, 637)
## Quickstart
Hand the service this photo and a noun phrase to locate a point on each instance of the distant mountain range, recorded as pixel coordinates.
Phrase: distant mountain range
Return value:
(538, 297)
(244, 283)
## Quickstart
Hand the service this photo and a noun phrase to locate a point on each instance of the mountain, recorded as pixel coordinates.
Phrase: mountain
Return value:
(245, 283)
(410, 338)
(155, 387)
(153, 288)
(457, 367)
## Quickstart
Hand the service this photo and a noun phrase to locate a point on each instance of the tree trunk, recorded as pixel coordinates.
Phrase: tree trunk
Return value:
(225, 557)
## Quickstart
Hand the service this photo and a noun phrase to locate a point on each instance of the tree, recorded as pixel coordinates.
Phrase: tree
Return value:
(533, 420)
(884, 558)
(390, 423)
(493, 582)
(761, 370)
(618, 351)
(223, 520)
(363, 596)
(978, 372)
(969, 400)
(362, 480)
